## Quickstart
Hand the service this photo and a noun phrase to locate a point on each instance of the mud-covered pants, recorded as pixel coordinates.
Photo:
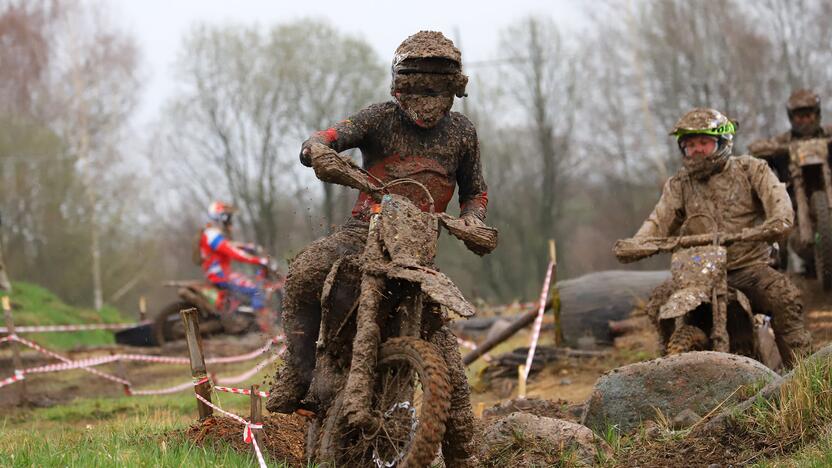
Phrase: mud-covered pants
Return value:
(770, 292)
(302, 319)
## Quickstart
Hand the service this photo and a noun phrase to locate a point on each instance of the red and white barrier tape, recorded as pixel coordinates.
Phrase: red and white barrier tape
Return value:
(240, 391)
(248, 437)
(81, 363)
(78, 327)
(250, 373)
(17, 377)
(230, 380)
(538, 321)
(473, 346)
(57, 356)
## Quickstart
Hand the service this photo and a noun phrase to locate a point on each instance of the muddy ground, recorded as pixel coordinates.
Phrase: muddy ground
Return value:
(560, 387)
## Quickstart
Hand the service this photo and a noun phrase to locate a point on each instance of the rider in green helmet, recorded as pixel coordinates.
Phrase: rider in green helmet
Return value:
(741, 195)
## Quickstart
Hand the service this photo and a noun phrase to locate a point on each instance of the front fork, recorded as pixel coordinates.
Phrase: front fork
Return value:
(360, 380)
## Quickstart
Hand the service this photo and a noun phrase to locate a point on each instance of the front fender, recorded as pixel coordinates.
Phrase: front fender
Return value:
(684, 301)
(434, 284)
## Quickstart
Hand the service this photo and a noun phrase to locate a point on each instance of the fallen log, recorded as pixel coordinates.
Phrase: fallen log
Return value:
(519, 323)
(588, 304)
(628, 325)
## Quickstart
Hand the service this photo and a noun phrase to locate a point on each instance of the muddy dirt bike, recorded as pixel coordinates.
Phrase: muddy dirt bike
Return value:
(381, 391)
(812, 186)
(220, 311)
(703, 313)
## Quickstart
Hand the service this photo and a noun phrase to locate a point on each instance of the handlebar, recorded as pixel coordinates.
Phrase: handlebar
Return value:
(630, 250)
(330, 167)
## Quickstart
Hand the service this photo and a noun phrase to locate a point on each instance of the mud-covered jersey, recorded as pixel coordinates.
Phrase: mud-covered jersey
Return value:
(745, 194)
(217, 253)
(392, 147)
(778, 146)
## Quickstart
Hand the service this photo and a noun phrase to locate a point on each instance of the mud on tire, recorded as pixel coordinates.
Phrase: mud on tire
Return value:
(167, 326)
(400, 361)
(687, 338)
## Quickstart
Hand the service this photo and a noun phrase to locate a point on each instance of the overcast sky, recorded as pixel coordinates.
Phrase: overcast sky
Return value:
(159, 26)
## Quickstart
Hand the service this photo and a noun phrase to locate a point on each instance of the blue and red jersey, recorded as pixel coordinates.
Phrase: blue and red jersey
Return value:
(217, 253)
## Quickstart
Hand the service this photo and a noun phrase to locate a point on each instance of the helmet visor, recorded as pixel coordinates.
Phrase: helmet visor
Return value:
(727, 128)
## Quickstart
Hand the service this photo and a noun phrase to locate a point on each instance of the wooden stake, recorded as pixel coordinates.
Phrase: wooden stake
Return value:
(142, 308)
(256, 415)
(521, 381)
(20, 396)
(121, 372)
(479, 410)
(202, 386)
(556, 295)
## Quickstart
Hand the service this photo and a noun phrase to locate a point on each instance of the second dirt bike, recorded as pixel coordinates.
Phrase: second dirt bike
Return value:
(812, 185)
(704, 312)
(219, 311)
(384, 386)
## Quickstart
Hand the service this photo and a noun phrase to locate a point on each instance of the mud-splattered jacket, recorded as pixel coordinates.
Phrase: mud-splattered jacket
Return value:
(392, 147)
(778, 146)
(744, 195)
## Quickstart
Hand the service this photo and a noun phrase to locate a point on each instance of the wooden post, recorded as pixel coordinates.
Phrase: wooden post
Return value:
(121, 372)
(202, 386)
(521, 381)
(16, 363)
(480, 409)
(555, 297)
(142, 309)
(256, 415)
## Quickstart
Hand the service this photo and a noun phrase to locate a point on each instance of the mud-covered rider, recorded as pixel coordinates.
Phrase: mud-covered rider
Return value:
(742, 195)
(804, 112)
(414, 135)
(216, 250)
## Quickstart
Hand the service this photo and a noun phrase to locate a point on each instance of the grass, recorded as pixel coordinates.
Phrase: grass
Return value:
(138, 431)
(803, 410)
(34, 305)
(793, 430)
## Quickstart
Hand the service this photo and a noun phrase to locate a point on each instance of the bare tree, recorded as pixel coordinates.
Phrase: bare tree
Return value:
(247, 98)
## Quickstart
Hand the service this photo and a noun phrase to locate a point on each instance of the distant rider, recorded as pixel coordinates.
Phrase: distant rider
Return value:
(216, 252)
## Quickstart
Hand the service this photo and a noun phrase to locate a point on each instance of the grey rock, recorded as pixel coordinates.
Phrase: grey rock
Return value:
(699, 381)
(547, 434)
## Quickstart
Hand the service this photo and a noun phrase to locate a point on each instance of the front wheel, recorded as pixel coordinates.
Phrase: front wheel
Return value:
(168, 326)
(410, 400)
(823, 239)
(687, 338)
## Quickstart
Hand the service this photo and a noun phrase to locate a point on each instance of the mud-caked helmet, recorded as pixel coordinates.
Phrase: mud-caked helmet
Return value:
(220, 213)
(711, 122)
(804, 100)
(427, 74)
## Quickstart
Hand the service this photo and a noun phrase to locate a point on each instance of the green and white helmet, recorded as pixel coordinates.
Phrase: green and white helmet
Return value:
(706, 121)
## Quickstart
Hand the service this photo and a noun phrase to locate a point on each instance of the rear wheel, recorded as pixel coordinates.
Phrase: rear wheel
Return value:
(823, 239)
(168, 326)
(411, 399)
(687, 338)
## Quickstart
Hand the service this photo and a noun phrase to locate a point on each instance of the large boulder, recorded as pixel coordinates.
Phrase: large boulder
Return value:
(523, 439)
(693, 382)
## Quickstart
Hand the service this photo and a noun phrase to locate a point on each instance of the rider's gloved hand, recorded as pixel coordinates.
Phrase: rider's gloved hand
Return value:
(315, 150)
(471, 220)
(264, 261)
